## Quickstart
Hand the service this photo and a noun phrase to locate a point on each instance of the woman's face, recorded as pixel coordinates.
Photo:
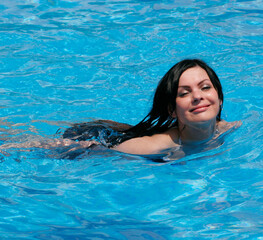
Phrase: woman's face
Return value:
(197, 100)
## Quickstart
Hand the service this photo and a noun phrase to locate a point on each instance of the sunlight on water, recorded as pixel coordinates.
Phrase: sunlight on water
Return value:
(65, 62)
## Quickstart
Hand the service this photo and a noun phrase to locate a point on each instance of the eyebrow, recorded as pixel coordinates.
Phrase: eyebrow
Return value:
(186, 86)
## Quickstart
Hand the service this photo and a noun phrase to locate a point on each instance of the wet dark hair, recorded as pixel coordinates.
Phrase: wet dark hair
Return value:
(159, 118)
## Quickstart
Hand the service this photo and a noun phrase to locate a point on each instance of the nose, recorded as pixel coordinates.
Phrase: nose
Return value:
(197, 95)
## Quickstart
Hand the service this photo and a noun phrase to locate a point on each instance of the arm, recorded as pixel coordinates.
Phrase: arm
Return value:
(48, 144)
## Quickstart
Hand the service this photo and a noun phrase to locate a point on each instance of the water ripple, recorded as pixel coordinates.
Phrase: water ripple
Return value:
(71, 61)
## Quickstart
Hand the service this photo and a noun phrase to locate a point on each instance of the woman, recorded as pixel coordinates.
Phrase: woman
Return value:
(186, 109)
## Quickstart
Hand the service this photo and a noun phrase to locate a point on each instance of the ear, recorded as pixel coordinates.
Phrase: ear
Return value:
(171, 112)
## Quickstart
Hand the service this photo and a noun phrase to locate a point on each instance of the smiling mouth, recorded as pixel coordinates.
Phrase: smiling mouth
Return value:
(199, 109)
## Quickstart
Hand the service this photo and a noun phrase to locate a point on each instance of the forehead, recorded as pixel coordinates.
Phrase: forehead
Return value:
(193, 75)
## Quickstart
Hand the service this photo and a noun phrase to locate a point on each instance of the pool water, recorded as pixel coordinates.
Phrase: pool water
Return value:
(71, 61)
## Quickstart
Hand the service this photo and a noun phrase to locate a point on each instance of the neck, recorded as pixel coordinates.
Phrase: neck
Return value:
(197, 132)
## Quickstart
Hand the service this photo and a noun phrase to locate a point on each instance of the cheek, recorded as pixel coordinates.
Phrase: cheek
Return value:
(181, 107)
(182, 103)
(213, 95)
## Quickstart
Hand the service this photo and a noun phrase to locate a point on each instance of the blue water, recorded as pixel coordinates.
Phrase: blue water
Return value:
(64, 62)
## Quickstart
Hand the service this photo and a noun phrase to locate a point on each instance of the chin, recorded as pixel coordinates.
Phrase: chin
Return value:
(202, 118)
(204, 121)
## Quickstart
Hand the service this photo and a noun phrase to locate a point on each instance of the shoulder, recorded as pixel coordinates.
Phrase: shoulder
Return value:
(149, 144)
(224, 126)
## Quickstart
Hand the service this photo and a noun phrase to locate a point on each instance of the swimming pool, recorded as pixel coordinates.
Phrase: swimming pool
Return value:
(72, 61)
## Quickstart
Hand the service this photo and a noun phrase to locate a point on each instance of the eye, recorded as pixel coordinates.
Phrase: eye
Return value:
(183, 94)
(206, 87)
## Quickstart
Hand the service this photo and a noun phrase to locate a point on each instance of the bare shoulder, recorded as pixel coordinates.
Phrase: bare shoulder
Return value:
(224, 126)
(147, 144)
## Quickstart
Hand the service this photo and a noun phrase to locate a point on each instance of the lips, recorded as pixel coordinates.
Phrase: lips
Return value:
(200, 108)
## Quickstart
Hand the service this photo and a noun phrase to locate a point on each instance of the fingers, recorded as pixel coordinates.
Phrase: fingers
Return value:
(86, 144)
